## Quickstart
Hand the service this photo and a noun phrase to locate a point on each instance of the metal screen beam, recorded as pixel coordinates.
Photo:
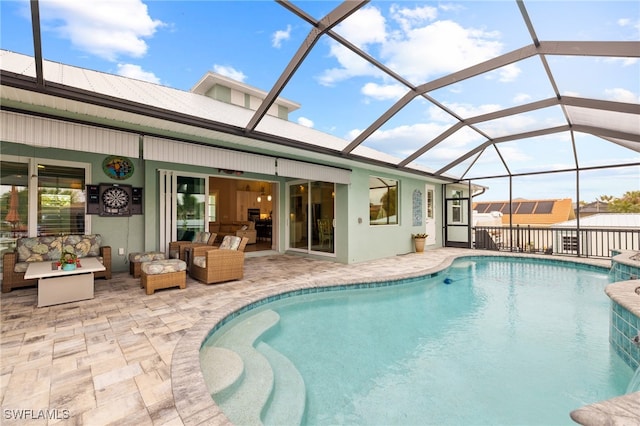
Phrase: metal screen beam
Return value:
(490, 65)
(339, 14)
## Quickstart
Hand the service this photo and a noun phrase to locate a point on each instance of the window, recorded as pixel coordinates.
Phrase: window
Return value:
(14, 198)
(61, 200)
(58, 194)
(383, 201)
(456, 207)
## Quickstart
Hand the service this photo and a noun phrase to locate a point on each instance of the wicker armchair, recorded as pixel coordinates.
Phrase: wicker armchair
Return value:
(212, 265)
(177, 248)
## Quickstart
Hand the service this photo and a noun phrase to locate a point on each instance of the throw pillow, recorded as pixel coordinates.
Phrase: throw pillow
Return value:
(230, 242)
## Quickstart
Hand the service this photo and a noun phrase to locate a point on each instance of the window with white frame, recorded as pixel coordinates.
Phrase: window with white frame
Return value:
(456, 207)
(383, 201)
(59, 192)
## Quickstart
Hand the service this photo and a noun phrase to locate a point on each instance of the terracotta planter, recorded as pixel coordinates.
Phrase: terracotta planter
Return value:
(419, 243)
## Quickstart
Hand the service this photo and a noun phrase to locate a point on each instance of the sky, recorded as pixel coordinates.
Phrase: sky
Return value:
(174, 43)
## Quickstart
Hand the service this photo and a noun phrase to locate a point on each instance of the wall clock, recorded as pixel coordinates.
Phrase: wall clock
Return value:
(115, 200)
(119, 168)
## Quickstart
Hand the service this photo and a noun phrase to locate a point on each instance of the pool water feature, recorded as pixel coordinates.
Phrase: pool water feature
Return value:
(506, 341)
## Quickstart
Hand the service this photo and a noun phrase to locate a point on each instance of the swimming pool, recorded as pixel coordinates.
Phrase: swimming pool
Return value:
(491, 347)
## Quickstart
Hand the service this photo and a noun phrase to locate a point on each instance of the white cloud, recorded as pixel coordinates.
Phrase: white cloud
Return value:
(622, 95)
(136, 72)
(403, 140)
(509, 73)
(352, 65)
(411, 43)
(230, 72)
(303, 121)
(438, 48)
(511, 153)
(105, 28)
(365, 27)
(464, 110)
(408, 18)
(521, 98)
(280, 36)
(384, 92)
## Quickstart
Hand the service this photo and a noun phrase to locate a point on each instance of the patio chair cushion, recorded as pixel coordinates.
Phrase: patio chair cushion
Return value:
(230, 242)
(38, 249)
(165, 266)
(202, 237)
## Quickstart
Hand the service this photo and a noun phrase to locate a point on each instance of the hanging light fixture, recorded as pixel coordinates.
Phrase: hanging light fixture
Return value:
(262, 194)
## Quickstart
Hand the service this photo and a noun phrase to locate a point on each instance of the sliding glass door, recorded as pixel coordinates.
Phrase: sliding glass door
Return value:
(183, 206)
(311, 218)
(190, 202)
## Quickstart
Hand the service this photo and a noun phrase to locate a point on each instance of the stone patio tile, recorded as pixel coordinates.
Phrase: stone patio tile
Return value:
(153, 387)
(107, 395)
(22, 386)
(107, 365)
(126, 410)
(108, 378)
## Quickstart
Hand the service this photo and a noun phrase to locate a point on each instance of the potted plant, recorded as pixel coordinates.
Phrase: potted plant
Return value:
(68, 261)
(419, 241)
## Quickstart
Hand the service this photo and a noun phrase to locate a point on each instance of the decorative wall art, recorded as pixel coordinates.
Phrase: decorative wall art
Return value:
(417, 208)
(116, 167)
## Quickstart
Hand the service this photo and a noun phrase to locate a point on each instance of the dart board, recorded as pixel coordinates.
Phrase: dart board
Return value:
(115, 200)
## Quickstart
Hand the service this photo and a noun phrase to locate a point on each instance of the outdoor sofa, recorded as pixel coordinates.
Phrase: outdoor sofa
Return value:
(42, 249)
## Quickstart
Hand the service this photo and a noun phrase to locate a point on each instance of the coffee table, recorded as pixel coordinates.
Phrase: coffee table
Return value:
(59, 286)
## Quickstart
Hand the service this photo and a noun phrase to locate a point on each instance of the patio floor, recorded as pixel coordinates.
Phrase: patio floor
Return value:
(128, 358)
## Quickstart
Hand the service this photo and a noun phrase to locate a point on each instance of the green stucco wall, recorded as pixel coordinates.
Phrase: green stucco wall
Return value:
(356, 240)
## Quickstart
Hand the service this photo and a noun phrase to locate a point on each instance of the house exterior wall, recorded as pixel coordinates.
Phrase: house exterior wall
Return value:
(367, 242)
(355, 239)
(116, 231)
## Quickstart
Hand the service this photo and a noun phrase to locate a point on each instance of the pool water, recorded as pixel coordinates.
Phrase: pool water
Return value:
(504, 341)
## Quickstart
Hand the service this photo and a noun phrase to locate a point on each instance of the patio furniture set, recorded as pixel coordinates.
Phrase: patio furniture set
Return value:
(200, 258)
(37, 261)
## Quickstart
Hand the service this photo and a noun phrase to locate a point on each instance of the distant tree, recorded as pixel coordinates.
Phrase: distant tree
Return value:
(628, 203)
(605, 198)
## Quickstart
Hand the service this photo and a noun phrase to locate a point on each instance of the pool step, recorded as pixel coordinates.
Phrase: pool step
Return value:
(222, 369)
(244, 405)
(253, 383)
(288, 399)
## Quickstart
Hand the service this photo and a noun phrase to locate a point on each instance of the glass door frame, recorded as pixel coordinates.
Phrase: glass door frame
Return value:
(168, 193)
(291, 211)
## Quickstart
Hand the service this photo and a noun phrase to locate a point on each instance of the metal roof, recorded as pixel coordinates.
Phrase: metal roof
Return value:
(480, 142)
(604, 220)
